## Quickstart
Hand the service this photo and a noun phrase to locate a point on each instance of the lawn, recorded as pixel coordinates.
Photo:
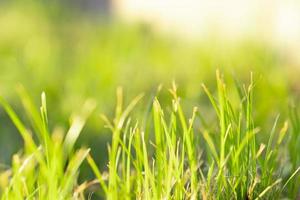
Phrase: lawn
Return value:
(99, 109)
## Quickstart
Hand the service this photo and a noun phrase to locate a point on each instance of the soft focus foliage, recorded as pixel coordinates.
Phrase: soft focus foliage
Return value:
(73, 57)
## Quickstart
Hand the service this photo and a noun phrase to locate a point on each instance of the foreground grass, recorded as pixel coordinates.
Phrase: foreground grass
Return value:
(48, 168)
(175, 157)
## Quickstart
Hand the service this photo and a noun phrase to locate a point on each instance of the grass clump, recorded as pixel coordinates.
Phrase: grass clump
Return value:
(48, 166)
(173, 157)
(179, 159)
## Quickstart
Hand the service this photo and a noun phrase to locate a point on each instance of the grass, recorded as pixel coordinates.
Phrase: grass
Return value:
(47, 167)
(232, 146)
(173, 157)
(73, 57)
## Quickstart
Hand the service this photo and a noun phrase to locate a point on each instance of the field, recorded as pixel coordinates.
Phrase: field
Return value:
(99, 109)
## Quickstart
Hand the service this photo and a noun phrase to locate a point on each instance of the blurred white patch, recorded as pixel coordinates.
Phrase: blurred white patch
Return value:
(237, 17)
(274, 21)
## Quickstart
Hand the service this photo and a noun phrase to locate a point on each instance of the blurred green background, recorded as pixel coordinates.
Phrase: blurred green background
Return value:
(73, 54)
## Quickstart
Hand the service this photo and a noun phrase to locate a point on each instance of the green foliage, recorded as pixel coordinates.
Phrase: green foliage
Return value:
(228, 147)
(48, 167)
(174, 158)
(184, 161)
(73, 58)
